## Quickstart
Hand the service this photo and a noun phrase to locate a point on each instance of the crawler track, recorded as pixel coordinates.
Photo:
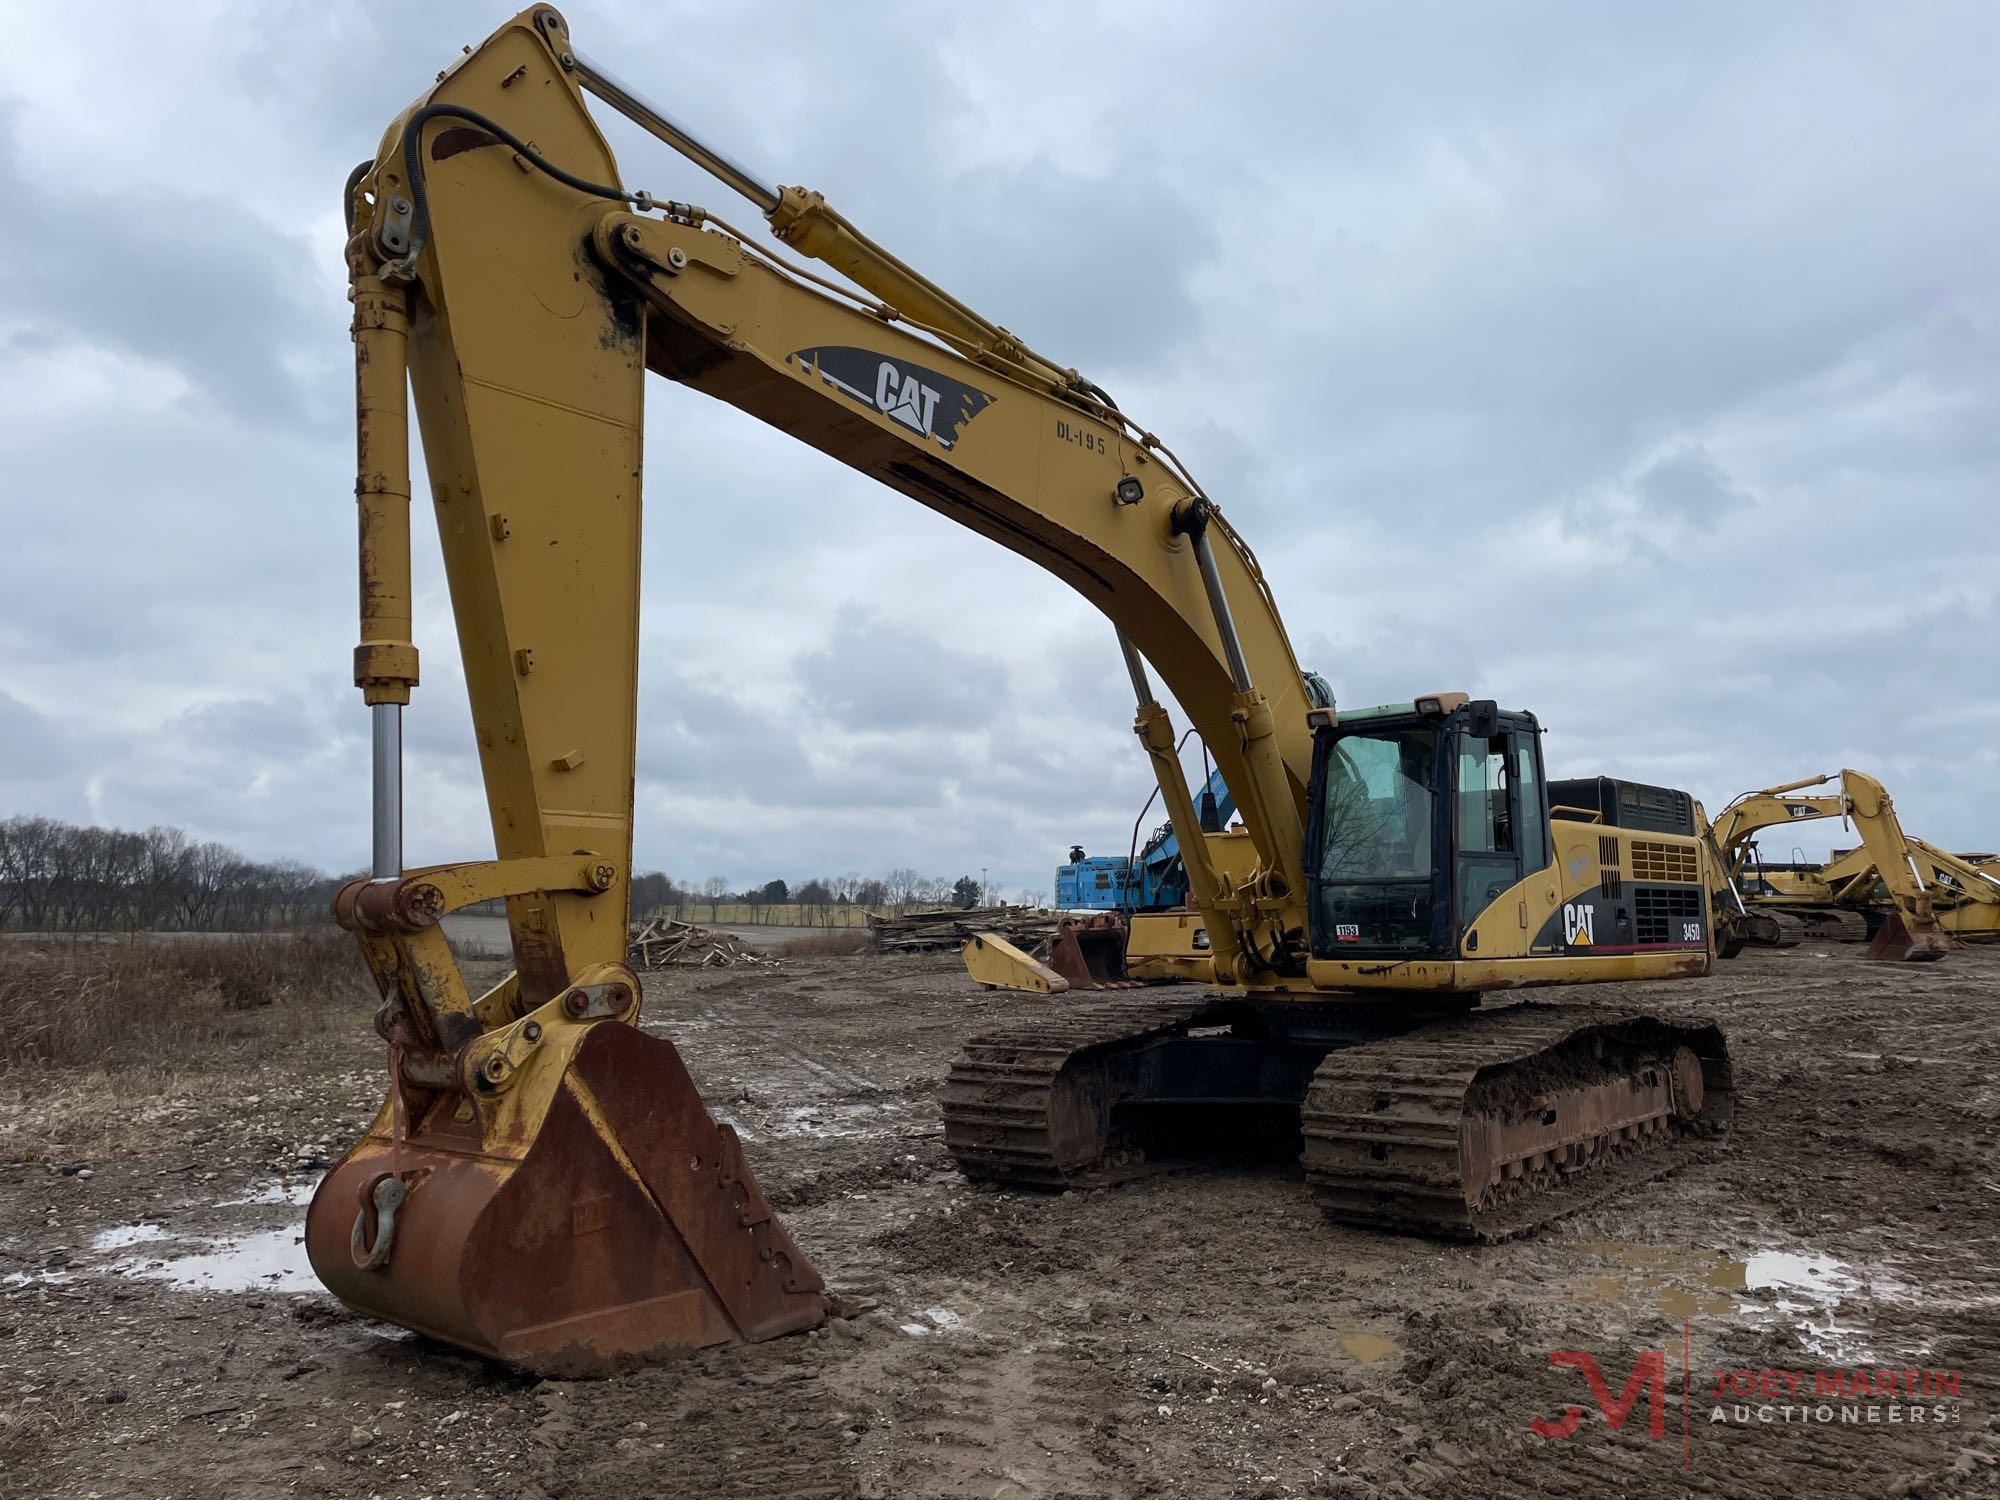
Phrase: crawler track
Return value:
(1012, 1113)
(1490, 1126)
(1813, 924)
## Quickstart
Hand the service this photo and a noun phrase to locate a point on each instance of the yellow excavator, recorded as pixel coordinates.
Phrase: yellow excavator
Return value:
(543, 1184)
(1964, 888)
(1777, 902)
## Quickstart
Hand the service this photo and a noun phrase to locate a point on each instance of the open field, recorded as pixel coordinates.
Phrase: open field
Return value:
(1185, 1335)
(486, 937)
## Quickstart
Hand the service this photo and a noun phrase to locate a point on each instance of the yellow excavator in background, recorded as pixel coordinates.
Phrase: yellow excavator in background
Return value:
(1965, 888)
(1810, 901)
(542, 1182)
(1847, 899)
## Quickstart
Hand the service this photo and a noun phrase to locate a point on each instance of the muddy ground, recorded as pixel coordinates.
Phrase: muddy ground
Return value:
(1185, 1335)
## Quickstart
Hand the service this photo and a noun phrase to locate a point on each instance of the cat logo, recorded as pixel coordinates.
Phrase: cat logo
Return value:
(1579, 924)
(1798, 810)
(931, 404)
(905, 399)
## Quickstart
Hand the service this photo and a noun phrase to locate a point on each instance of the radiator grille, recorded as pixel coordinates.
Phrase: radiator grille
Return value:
(1609, 880)
(1653, 861)
(1660, 911)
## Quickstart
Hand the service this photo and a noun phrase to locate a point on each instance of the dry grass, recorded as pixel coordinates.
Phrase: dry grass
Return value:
(833, 943)
(149, 1000)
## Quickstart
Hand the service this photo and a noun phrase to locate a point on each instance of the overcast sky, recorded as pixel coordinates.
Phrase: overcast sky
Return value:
(1636, 365)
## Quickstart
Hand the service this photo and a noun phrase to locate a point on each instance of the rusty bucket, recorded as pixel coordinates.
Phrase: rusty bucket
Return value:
(592, 1217)
(1894, 942)
(1090, 951)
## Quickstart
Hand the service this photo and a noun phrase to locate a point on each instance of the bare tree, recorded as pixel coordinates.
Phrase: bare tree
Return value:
(713, 889)
(814, 897)
(208, 876)
(162, 867)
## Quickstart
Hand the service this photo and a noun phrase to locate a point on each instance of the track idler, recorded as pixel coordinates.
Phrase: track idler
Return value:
(557, 1196)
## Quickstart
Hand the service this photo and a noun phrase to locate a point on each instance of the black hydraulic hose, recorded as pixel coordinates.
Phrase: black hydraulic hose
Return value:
(1096, 392)
(1132, 855)
(420, 215)
(361, 170)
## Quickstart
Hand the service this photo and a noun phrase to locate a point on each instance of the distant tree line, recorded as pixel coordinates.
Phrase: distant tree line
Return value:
(57, 876)
(654, 892)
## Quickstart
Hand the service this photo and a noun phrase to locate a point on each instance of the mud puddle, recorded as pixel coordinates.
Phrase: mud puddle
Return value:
(835, 1120)
(200, 1258)
(1815, 1292)
(930, 1320)
(1369, 1348)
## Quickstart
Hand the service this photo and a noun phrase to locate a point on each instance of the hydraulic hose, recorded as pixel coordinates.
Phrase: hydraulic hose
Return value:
(361, 170)
(420, 216)
(1132, 856)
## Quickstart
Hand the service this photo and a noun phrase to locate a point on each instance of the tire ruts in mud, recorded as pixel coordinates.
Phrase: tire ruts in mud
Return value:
(1386, 1124)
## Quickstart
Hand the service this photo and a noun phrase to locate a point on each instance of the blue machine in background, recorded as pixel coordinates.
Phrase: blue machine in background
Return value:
(1154, 879)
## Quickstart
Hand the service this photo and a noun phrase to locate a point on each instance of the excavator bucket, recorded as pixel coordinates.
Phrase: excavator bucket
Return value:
(591, 1216)
(1894, 942)
(1090, 952)
(1106, 951)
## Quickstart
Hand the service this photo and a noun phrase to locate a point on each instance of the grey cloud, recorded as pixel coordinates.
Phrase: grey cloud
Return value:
(38, 749)
(188, 280)
(1687, 484)
(693, 737)
(873, 675)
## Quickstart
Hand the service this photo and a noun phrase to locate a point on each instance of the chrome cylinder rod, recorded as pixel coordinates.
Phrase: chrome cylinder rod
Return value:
(650, 117)
(1136, 665)
(388, 799)
(1218, 602)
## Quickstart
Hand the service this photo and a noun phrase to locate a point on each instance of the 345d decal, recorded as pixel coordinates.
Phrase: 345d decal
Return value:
(924, 401)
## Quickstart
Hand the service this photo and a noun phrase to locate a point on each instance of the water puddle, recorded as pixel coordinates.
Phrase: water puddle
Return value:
(204, 1258)
(931, 1320)
(827, 1121)
(1682, 1283)
(281, 1192)
(1367, 1348)
(268, 1260)
(125, 1235)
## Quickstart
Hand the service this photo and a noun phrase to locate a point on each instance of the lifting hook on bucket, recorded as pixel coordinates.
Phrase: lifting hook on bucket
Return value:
(381, 1196)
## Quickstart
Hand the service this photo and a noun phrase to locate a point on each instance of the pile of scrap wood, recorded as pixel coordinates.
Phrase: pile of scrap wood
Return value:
(664, 942)
(928, 931)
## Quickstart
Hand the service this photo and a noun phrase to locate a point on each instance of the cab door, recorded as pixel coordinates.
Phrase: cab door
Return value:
(1500, 827)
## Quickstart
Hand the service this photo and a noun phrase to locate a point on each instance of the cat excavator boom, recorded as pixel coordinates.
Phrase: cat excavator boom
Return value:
(543, 1183)
(1908, 930)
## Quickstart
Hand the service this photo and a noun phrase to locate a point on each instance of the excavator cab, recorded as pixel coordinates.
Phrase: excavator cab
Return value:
(1423, 814)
